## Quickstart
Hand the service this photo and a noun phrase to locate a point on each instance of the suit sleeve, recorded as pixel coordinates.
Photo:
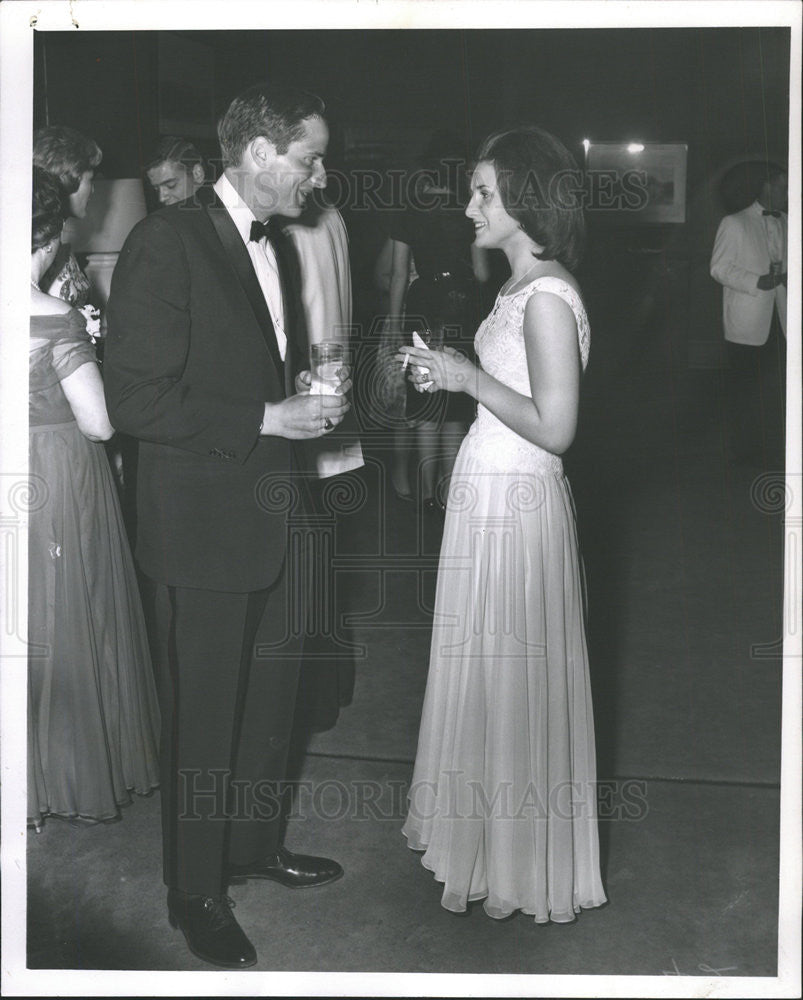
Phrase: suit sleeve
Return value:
(725, 266)
(149, 323)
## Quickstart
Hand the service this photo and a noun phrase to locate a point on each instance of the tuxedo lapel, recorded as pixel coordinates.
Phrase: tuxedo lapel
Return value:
(241, 263)
(287, 262)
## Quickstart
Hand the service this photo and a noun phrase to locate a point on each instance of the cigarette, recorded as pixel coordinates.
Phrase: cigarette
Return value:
(406, 361)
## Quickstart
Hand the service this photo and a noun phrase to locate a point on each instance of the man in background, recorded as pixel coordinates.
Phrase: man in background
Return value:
(176, 170)
(750, 261)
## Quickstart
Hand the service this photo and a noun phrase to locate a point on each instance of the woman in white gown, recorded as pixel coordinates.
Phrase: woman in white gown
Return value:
(503, 798)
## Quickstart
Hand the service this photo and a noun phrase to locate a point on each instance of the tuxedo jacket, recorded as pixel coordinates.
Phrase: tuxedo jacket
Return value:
(190, 360)
(741, 255)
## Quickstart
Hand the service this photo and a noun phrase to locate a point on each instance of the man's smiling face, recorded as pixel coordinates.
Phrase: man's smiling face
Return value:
(283, 186)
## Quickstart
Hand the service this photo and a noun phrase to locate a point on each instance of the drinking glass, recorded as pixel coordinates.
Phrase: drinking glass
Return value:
(326, 360)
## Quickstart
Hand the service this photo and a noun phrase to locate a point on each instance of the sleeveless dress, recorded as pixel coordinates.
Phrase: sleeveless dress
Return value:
(93, 717)
(503, 797)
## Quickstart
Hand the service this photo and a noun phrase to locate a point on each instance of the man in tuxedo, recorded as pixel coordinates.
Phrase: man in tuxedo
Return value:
(203, 366)
(749, 261)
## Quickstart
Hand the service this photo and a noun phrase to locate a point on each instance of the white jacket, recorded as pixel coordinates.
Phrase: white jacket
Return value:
(741, 255)
(322, 245)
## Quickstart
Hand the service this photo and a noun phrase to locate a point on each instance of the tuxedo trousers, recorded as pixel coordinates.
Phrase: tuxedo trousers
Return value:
(756, 397)
(227, 667)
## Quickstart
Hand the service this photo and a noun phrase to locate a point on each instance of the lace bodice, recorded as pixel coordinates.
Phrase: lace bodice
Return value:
(500, 347)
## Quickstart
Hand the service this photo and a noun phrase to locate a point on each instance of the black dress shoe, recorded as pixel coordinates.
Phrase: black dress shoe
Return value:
(297, 871)
(211, 931)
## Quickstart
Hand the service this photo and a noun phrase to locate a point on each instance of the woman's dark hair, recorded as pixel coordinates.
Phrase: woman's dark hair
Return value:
(278, 113)
(541, 188)
(48, 209)
(66, 154)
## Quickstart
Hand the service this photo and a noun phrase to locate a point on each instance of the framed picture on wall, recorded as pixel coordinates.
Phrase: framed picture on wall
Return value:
(637, 182)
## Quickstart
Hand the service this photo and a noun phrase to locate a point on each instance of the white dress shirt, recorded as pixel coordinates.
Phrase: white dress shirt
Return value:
(261, 254)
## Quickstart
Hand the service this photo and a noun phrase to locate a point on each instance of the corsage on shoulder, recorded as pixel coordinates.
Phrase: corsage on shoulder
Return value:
(92, 316)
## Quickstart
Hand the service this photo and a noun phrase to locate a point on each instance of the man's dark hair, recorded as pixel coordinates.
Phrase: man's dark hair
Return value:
(278, 113)
(66, 154)
(531, 167)
(175, 149)
(48, 209)
(770, 173)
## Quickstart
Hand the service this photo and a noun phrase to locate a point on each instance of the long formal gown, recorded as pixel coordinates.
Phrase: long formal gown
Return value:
(93, 716)
(503, 798)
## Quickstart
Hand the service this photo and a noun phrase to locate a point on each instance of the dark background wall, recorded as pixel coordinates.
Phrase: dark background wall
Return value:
(722, 91)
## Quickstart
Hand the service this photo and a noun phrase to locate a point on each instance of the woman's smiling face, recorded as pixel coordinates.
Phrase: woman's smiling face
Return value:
(493, 227)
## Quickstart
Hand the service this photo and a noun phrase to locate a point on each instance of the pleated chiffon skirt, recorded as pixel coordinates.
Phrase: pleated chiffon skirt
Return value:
(93, 716)
(503, 796)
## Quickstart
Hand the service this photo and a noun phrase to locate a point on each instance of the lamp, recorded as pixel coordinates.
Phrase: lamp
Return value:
(115, 207)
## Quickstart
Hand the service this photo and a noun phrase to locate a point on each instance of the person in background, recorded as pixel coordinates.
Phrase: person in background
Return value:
(749, 260)
(503, 796)
(72, 159)
(93, 717)
(176, 170)
(442, 303)
(321, 243)
(391, 390)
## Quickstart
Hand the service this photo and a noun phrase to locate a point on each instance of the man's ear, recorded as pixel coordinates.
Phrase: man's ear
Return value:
(262, 150)
(198, 173)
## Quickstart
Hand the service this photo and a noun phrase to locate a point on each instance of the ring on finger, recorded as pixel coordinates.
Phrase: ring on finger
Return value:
(327, 424)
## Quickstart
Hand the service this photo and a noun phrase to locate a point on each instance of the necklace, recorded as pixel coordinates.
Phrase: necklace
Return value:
(514, 281)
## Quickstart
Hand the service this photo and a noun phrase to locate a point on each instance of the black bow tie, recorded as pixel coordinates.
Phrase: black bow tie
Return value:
(767, 211)
(261, 230)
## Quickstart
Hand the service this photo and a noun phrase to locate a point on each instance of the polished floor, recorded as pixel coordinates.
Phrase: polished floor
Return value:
(683, 545)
